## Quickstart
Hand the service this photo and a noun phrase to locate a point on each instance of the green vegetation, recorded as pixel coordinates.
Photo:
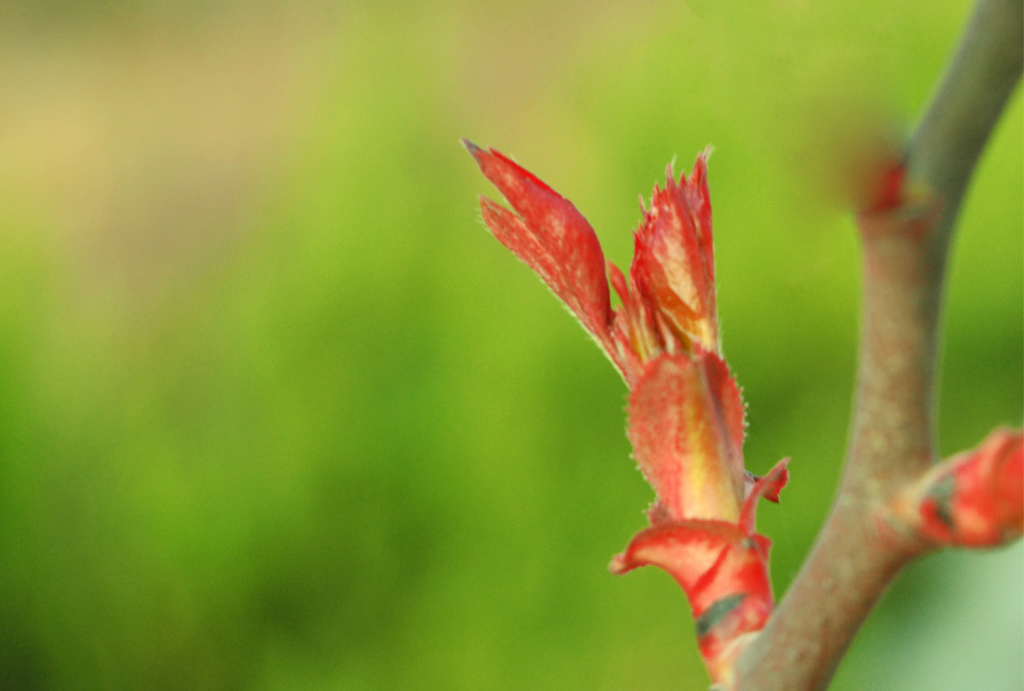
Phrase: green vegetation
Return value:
(277, 413)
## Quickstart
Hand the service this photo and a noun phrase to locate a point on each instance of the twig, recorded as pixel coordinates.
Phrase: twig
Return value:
(857, 554)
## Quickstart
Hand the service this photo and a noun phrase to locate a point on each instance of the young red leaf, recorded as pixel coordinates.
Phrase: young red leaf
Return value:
(553, 238)
(673, 261)
(686, 426)
(724, 573)
(686, 549)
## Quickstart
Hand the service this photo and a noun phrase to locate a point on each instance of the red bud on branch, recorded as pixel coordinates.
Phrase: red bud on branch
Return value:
(974, 499)
(686, 415)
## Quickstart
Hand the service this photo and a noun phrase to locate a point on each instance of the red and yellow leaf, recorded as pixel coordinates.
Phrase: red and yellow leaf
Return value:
(673, 261)
(686, 426)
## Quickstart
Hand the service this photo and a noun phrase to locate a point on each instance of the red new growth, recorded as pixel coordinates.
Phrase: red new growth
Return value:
(552, 238)
(686, 416)
(974, 499)
(673, 260)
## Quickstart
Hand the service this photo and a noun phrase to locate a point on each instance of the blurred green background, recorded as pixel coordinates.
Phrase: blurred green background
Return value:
(277, 413)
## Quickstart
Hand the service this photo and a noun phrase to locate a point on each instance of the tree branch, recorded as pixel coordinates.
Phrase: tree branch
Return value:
(858, 553)
(981, 78)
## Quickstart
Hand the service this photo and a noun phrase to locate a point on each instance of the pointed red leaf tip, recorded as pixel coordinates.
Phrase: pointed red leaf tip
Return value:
(768, 487)
(974, 499)
(686, 427)
(553, 238)
(673, 262)
(772, 491)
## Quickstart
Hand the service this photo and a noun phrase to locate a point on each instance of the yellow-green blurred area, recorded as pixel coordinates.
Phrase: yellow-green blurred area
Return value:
(276, 412)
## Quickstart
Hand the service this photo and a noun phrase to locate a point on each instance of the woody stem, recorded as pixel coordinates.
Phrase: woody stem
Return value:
(856, 555)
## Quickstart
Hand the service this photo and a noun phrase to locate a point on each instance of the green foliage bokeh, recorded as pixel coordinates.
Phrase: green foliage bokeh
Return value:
(331, 435)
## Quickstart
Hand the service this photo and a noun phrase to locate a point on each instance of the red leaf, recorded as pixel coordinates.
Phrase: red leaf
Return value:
(724, 574)
(686, 549)
(552, 238)
(673, 261)
(686, 425)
